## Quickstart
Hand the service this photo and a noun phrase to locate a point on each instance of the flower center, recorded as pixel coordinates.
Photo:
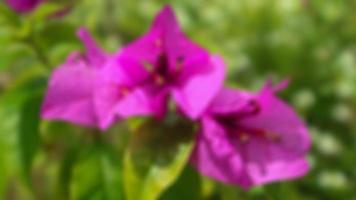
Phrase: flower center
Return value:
(123, 90)
(244, 134)
(160, 71)
(254, 107)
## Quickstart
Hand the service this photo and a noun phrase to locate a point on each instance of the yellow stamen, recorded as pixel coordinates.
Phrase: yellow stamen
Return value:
(124, 90)
(148, 66)
(273, 136)
(244, 138)
(158, 79)
(179, 65)
(158, 42)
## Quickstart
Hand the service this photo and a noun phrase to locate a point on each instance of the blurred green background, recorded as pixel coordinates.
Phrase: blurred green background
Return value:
(313, 42)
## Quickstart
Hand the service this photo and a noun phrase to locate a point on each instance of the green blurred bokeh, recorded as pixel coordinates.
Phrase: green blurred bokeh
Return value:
(313, 43)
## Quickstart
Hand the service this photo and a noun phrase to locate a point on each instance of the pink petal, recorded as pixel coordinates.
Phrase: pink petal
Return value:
(69, 93)
(195, 94)
(276, 171)
(140, 103)
(175, 43)
(111, 106)
(23, 6)
(268, 160)
(229, 101)
(94, 54)
(214, 155)
(146, 49)
(269, 86)
(110, 91)
(116, 96)
(263, 159)
(265, 162)
(165, 22)
(279, 118)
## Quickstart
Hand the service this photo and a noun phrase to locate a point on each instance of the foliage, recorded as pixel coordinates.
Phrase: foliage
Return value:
(311, 42)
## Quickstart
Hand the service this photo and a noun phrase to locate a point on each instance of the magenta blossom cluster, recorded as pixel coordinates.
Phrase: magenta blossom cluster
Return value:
(244, 138)
(23, 6)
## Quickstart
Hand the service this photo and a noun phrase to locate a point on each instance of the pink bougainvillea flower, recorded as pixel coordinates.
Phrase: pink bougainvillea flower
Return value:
(164, 63)
(251, 139)
(87, 90)
(71, 87)
(23, 6)
(70, 93)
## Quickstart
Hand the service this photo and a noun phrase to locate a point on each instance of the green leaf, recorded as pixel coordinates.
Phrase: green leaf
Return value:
(3, 172)
(10, 17)
(66, 170)
(60, 33)
(208, 187)
(44, 11)
(9, 117)
(29, 137)
(97, 175)
(278, 191)
(156, 155)
(111, 170)
(13, 54)
(187, 187)
(19, 104)
(86, 176)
